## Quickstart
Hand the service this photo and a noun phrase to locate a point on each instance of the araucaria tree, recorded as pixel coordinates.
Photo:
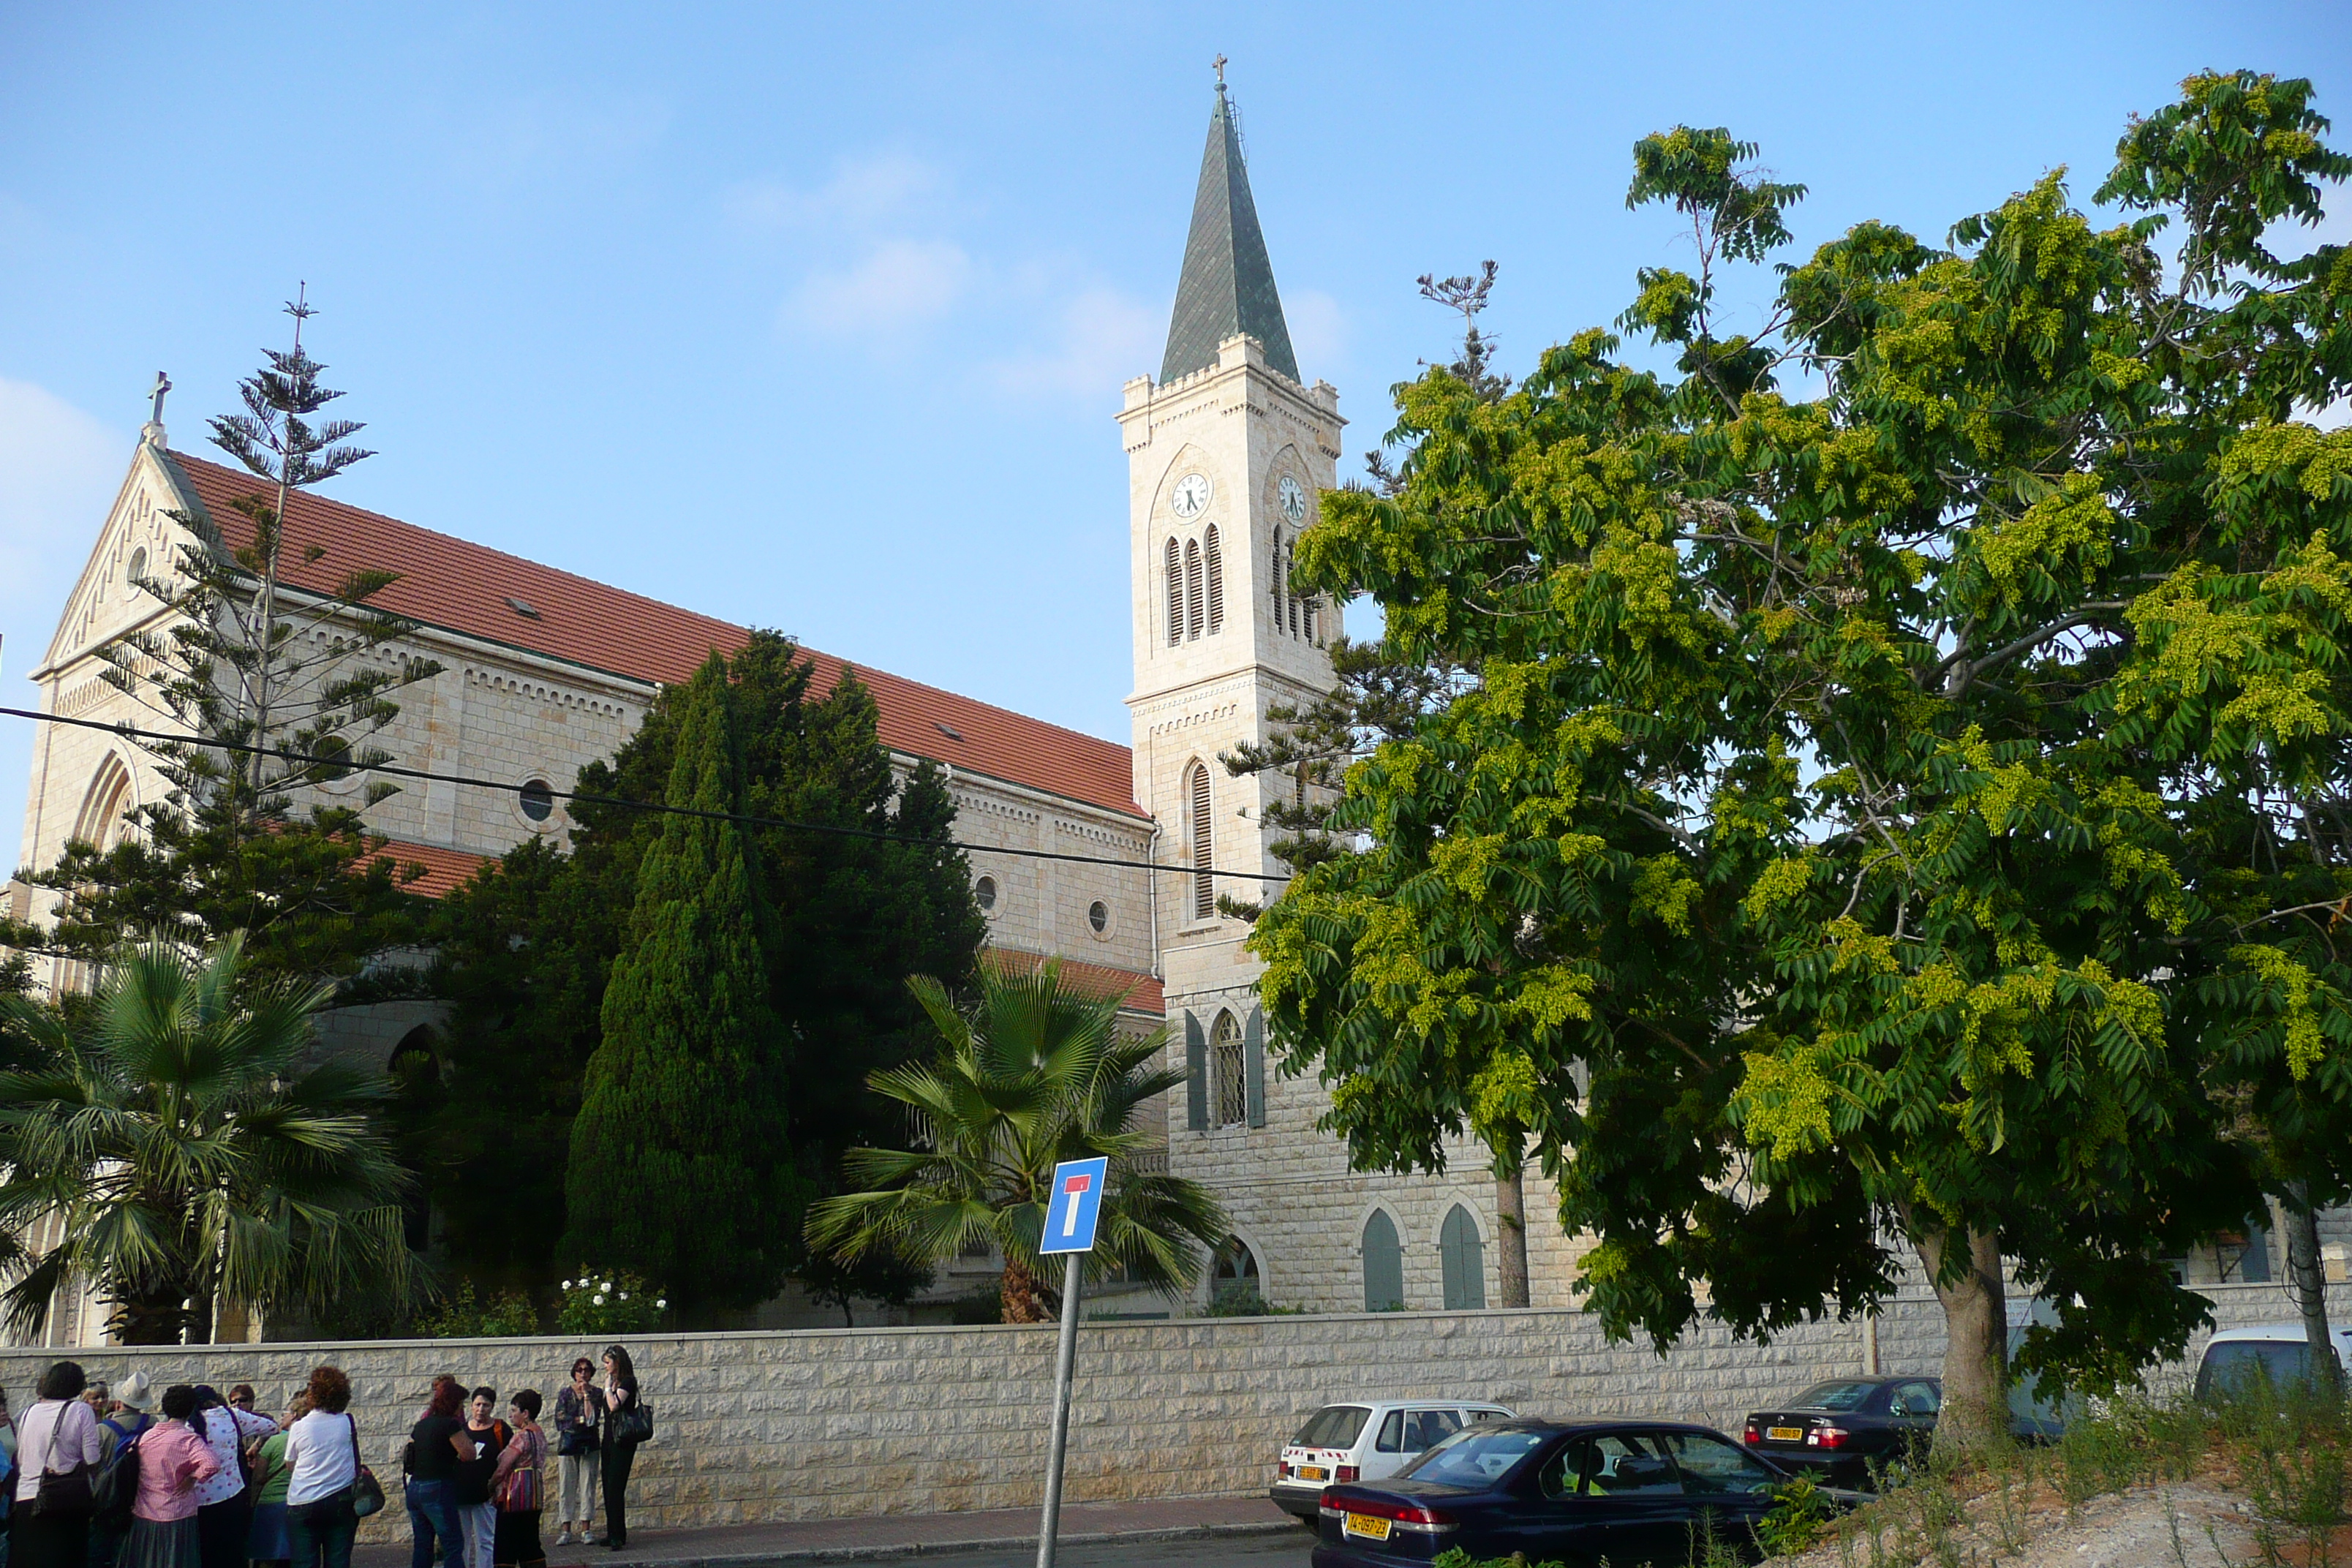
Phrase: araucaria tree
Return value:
(297, 676)
(1889, 785)
(175, 1136)
(681, 1165)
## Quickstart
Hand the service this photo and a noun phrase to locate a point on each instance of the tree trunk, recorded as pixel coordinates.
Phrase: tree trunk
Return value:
(1511, 1237)
(2306, 1282)
(1976, 1350)
(1024, 1296)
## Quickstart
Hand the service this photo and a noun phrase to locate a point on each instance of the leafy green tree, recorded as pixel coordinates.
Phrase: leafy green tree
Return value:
(1035, 1074)
(1802, 857)
(679, 1163)
(301, 678)
(191, 1154)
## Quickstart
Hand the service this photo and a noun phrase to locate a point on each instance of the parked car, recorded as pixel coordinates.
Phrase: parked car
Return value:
(1837, 1429)
(1365, 1440)
(2278, 1352)
(1574, 1492)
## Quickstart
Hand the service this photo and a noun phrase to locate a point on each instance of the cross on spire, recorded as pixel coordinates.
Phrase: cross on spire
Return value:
(1220, 63)
(154, 432)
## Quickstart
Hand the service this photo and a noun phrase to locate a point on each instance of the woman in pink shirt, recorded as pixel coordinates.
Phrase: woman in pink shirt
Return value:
(173, 1462)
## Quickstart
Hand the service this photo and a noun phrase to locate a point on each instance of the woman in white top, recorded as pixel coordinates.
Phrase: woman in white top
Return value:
(322, 1449)
(57, 1436)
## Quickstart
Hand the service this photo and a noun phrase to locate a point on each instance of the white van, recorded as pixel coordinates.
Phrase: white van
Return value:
(2278, 1352)
(1365, 1440)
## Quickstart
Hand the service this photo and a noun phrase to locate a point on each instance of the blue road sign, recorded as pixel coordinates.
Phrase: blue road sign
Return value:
(1075, 1202)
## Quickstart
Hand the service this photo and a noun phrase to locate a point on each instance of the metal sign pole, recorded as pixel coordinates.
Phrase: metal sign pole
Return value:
(1065, 1360)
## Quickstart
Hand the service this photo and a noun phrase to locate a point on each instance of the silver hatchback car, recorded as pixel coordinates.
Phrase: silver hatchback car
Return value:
(1365, 1440)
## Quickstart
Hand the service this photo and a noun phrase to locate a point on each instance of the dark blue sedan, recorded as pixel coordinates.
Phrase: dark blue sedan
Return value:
(1631, 1492)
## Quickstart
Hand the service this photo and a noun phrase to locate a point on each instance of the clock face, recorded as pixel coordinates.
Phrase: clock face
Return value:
(1292, 497)
(1190, 497)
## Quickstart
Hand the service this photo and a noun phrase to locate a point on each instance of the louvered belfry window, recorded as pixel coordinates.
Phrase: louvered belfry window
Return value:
(1192, 588)
(1280, 588)
(1175, 595)
(1292, 599)
(1215, 561)
(1204, 884)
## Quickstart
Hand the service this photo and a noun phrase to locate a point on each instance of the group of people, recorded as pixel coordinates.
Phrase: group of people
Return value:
(220, 1486)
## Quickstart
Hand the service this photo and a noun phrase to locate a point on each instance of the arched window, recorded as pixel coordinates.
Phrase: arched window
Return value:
(138, 567)
(1204, 883)
(1383, 1265)
(1215, 561)
(1175, 595)
(1192, 588)
(1287, 597)
(1307, 616)
(1281, 585)
(1235, 1282)
(105, 807)
(1233, 1087)
(1463, 1261)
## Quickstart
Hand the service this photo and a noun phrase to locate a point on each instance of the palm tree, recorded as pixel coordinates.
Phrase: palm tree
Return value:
(1037, 1073)
(175, 1128)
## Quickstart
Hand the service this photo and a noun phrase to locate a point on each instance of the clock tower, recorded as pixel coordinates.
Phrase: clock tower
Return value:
(1228, 450)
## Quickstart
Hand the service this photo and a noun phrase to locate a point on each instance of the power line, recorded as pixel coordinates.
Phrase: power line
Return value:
(130, 732)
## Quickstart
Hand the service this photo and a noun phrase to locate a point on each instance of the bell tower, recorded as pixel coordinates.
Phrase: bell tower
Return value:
(1227, 452)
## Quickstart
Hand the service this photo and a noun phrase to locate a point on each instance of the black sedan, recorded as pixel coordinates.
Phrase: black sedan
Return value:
(1840, 1430)
(1576, 1492)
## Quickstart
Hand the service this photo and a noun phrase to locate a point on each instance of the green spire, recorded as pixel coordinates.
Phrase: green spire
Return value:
(1228, 283)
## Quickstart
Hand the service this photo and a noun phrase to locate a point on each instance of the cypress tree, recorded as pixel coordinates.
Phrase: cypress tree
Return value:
(681, 1166)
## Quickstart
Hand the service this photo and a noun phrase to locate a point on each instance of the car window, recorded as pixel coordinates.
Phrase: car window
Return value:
(1392, 1437)
(1563, 1472)
(1712, 1466)
(1428, 1428)
(1475, 1416)
(1333, 1426)
(1475, 1457)
(1626, 1463)
(1915, 1399)
(2241, 1364)
(1842, 1395)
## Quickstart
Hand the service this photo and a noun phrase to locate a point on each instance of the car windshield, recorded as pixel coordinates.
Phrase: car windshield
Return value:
(2241, 1364)
(1839, 1395)
(1475, 1457)
(1333, 1426)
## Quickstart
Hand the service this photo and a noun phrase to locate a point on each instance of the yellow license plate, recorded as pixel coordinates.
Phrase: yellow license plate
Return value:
(1785, 1433)
(1313, 1473)
(1365, 1525)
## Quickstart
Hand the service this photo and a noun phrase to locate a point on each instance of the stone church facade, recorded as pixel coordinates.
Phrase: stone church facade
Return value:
(543, 671)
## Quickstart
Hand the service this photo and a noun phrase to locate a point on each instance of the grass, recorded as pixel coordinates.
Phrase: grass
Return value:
(2285, 1453)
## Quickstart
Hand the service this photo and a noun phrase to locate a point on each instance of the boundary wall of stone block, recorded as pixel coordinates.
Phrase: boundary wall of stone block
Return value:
(857, 1422)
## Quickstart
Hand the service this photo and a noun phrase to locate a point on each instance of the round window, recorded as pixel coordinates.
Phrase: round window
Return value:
(1098, 916)
(984, 890)
(538, 800)
(138, 567)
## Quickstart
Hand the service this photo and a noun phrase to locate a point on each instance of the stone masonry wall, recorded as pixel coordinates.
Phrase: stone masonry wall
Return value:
(835, 1423)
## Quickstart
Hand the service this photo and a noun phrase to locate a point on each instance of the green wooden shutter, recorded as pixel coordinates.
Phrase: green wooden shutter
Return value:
(1254, 1065)
(1462, 1261)
(1196, 1075)
(1383, 1264)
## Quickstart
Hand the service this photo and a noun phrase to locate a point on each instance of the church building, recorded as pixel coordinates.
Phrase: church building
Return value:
(1229, 447)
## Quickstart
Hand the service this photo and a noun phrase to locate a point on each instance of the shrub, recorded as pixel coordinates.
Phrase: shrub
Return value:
(1800, 1516)
(610, 1302)
(461, 1315)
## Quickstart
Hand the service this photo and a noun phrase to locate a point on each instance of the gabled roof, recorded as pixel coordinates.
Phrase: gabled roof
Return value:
(468, 588)
(1227, 284)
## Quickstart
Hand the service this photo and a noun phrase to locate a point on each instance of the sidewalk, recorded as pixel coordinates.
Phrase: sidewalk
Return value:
(903, 1534)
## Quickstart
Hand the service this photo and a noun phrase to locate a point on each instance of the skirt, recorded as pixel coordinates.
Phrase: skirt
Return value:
(516, 1544)
(265, 1539)
(48, 1540)
(161, 1544)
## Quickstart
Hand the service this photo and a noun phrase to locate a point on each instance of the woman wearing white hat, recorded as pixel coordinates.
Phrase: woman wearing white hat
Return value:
(135, 1406)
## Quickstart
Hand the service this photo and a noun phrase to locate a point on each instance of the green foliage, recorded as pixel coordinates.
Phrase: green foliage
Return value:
(1036, 1073)
(242, 655)
(1243, 1302)
(1797, 1519)
(178, 1127)
(596, 1303)
(880, 1276)
(1918, 810)
(1454, 1557)
(678, 1165)
(461, 1316)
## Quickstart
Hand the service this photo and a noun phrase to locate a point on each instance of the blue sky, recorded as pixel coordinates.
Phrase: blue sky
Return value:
(815, 317)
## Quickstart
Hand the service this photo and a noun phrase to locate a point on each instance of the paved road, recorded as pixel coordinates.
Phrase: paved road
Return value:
(1231, 1552)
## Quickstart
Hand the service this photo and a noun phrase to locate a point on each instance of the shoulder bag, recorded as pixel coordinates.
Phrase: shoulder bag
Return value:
(367, 1492)
(62, 1491)
(635, 1422)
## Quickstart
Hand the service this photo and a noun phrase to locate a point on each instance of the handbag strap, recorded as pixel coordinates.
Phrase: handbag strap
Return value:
(351, 1426)
(50, 1460)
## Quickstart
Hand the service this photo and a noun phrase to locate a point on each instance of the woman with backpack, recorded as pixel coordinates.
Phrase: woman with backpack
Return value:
(59, 1445)
(173, 1461)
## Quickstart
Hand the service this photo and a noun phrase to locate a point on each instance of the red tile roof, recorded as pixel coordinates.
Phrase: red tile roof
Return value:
(445, 870)
(470, 588)
(1137, 992)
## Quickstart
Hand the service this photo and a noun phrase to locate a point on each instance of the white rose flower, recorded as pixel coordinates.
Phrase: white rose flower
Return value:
(662, 1302)
(567, 1284)
(600, 1301)
(624, 1295)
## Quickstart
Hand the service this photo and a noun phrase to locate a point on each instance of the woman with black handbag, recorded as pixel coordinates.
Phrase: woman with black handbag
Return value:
(57, 1450)
(579, 1447)
(328, 1490)
(628, 1423)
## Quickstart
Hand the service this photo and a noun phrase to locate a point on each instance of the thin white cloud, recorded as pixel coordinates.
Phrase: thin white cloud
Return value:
(1102, 339)
(59, 471)
(896, 287)
(863, 195)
